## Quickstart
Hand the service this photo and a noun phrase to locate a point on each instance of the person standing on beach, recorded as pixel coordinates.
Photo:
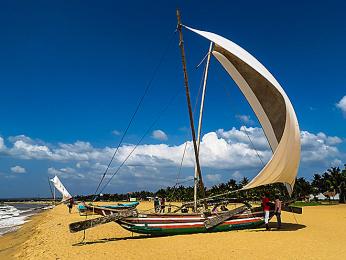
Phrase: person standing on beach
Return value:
(162, 204)
(277, 211)
(266, 209)
(156, 204)
(70, 205)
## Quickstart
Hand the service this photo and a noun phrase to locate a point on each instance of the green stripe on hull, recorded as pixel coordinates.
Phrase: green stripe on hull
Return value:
(178, 231)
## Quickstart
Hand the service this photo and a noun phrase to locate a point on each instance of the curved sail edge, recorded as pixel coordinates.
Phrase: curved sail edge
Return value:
(271, 106)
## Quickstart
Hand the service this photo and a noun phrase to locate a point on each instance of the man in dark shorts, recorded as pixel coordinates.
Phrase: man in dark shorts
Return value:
(162, 205)
(277, 211)
(70, 205)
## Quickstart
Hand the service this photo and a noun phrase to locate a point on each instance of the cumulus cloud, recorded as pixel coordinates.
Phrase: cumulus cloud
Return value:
(18, 169)
(223, 152)
(159, 135)
(342, 105)
(66, 172)
(221, 149)
(244, 135)
(319, 147)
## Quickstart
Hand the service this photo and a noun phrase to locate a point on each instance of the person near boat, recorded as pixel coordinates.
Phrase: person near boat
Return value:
(70, 205)
(223, 208)
(162, 205)
(156, 204)
(266, 209)
(277, 211)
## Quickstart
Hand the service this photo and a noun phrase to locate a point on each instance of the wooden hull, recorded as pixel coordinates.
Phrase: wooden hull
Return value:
(85, 210)
(186, 225)
(179, 223)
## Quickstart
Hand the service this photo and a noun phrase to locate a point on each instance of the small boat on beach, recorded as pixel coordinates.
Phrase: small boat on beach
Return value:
(276, 115)
(84, 210)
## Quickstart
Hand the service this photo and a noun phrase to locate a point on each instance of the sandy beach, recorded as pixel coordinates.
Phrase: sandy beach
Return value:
(317, 234)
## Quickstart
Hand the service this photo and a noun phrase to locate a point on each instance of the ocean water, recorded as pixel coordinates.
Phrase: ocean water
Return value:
(12, 216)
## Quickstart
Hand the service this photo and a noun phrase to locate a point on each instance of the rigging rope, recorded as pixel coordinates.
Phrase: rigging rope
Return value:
(141, 139)
(135, 112)
(246, 132)
(253, 146)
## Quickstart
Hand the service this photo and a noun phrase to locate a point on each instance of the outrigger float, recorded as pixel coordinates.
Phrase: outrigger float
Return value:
(276, 115)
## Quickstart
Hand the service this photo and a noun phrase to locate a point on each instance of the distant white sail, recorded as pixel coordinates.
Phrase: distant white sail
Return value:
(60, 187)
(271, 106)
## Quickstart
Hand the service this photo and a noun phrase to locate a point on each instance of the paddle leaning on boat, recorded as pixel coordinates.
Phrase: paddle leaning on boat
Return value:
(276, 115)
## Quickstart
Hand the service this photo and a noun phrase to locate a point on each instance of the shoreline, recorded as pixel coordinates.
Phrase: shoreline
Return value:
(44, 202)
(11, 241)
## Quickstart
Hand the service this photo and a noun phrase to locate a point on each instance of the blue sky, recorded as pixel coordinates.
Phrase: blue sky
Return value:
(71, 74)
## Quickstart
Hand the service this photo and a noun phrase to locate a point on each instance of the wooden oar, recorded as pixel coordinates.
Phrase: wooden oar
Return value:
(90, 223)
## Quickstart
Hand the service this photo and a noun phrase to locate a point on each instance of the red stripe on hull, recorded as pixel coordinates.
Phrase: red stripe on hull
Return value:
(202, 225)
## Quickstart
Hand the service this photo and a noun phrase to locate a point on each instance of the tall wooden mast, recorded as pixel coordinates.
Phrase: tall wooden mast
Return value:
(186, 82)
(200, 122)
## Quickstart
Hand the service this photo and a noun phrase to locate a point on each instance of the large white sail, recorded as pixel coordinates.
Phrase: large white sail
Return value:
(271, 106)
(60, 187)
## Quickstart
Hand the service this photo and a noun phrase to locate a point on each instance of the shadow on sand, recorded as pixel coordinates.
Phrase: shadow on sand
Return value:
(284, 227)
(106, 240)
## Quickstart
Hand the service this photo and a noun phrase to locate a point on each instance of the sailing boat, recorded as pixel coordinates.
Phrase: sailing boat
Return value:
(61, 188)
(81, 208)
(276, 115)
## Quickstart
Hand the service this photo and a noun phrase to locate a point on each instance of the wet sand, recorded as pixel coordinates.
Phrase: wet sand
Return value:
(320, 233)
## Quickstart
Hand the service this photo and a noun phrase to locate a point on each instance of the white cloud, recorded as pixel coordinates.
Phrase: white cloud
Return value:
(223, 151)
(66, 172)
(246, 119)
(237, 175)
(53, 171)
(159, 135)
(255, 134)
(319, 147)
(23, 138)
(2, 144)
(18, 169)
(342, 105)
(336, 163)
(213, 178)
(116, 132)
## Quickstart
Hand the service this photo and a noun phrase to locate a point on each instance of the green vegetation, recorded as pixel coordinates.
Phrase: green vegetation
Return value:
(303, 203)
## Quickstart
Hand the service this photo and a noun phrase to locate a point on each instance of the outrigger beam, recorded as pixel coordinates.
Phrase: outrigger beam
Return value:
(214, 221)
(90, 223)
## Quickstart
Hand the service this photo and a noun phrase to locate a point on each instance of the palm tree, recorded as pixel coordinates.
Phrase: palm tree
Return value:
(232, 184)
(342, 186)
(332, 179)
(302, 188)
(244, 181)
